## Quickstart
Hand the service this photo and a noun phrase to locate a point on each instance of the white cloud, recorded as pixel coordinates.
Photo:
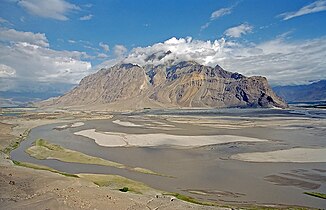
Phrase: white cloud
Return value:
(72, 41)
(102, 55)
(4, 21)
(317, 6)
(54, 9)
(278, 59)
(36, 63)
(120, 50)
(239, 30)
(104, 46)
(215, 15)
(20, 36)
(6, 71)
(86, 17)
(23, 58)
(221, 12)
(203, 27)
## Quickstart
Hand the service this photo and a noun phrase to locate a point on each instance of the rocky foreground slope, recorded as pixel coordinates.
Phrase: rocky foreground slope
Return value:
(185, 84)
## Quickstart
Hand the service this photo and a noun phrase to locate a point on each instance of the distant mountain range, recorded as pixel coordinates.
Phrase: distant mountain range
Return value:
(183, 84)
(303, 93)
(23, 96)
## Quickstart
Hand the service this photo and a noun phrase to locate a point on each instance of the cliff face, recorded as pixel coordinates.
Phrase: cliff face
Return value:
(186, 84)
(106, 86)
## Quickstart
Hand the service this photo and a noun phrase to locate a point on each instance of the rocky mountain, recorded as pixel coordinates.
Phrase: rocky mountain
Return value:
(185, 84)
(303, 93)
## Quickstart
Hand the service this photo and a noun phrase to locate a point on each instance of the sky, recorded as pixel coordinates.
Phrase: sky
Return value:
(46, 45)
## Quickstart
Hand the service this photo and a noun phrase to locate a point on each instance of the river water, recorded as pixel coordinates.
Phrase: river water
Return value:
(206, 169)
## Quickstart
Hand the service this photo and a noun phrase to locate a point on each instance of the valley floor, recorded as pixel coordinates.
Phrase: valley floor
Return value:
(27, 188)
(229, 143)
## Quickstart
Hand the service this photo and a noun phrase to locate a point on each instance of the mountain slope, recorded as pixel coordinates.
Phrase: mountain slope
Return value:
(185, 84)
(303, 93)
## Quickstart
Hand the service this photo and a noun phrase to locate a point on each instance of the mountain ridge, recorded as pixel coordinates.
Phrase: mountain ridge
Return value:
(303, 93)
(183, 84)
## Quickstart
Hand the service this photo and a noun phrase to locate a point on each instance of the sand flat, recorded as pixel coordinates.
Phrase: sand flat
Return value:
(77, 124)
(112, 139)
(102, 139)
(300, 155)
(126, 123)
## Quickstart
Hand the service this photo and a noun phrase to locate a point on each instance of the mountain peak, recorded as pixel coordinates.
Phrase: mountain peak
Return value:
(182, 84)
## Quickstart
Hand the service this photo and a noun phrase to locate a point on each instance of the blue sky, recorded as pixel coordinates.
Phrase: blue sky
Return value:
(61, 41)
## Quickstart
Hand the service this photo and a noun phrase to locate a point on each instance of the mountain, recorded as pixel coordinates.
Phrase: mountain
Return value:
(22, 95)
(303, 93)
(184, 84)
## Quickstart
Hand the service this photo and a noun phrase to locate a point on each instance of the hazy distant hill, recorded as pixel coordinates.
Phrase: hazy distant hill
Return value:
(184, 84)
(303, 93)
(22, 96)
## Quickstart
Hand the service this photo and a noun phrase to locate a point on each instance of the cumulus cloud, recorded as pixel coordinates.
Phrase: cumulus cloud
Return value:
(54, 9)
(86, 17)
(239, 30)
(104, 46)
(24, 58)
(11, 35)
(278, 59)
(317, 6)
(221, 12)
(120, 50)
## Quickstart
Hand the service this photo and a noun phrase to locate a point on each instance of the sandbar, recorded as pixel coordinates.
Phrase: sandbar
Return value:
(126, 123)
(112, 139)
(77, 124)
(300, 155)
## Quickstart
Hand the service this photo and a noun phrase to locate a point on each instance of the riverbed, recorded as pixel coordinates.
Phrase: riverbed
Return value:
(206, 171)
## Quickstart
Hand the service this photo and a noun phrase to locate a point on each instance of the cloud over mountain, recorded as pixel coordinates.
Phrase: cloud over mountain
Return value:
(278, 59)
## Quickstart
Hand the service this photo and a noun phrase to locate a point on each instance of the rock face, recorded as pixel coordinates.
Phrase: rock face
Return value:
(185, 84)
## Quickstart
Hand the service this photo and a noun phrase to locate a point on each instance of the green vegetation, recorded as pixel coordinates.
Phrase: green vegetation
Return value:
(46, 150)
(114, 182)
(316, 194)
(191, 199)
(40, 167)
(15, 144)
(117, 182)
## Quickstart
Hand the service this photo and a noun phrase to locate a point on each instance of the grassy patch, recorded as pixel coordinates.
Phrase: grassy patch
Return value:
(147, 171)
(191, 199)
(117, 182)
(15, 143)
(45, 150)
(316, 194)
(44, 168)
